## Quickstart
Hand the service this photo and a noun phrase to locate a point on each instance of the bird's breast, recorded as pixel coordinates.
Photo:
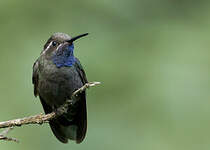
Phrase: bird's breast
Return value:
(57, 84)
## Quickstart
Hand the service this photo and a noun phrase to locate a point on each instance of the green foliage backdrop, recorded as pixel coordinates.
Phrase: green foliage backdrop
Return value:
(152, 57)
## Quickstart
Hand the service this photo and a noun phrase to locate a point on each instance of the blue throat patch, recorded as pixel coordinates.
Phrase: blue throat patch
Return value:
(64, 58)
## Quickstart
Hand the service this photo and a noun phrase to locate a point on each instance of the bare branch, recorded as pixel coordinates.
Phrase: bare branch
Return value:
(42, 118)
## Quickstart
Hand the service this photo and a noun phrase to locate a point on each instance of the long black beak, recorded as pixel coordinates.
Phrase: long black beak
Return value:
(76, 37)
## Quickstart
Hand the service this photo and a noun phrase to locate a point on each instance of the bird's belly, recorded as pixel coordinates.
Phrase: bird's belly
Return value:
(58, 85)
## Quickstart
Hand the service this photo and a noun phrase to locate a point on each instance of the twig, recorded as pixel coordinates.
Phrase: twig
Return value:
(41, 118)
(4, 137)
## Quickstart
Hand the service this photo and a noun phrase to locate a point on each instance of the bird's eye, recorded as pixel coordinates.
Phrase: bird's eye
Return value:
(54, 43)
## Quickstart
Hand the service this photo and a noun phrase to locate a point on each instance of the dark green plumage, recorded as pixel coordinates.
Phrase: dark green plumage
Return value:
(56, 75)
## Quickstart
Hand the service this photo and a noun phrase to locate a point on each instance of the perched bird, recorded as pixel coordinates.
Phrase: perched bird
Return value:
(57, 73)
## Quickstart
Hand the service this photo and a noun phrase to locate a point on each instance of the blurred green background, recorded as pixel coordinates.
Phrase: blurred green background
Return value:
(152, 57)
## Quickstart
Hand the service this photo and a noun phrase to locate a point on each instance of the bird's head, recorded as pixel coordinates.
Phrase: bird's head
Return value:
(60, 49)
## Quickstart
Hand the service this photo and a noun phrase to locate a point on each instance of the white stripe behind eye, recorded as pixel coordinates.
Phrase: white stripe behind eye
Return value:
(47, 48)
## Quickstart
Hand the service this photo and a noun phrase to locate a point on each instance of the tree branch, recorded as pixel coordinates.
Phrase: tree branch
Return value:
(42, 118)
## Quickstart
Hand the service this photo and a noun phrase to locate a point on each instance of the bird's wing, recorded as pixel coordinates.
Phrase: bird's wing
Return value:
(81, 116)
(35, 77)
(81, 71)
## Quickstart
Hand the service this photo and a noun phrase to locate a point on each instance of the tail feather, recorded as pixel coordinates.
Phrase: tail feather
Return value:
(59, 131)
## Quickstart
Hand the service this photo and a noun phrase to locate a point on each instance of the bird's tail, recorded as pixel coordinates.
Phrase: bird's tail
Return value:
(71, 126)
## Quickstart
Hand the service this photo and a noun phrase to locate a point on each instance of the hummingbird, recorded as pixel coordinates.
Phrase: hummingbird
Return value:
(57, 73)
